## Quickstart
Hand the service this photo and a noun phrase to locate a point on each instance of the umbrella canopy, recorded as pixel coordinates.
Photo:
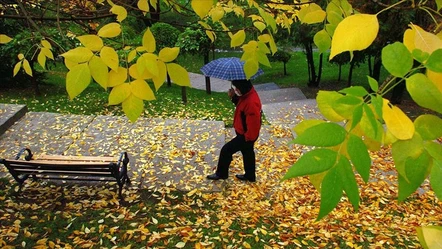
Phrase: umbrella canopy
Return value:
(231, 68)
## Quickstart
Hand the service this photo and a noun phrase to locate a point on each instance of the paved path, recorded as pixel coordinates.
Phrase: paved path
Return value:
(163, 152)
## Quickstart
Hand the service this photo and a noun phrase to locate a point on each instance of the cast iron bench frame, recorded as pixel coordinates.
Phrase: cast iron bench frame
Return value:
(77, 168)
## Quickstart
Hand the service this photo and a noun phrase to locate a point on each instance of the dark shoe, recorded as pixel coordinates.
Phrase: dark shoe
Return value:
(244, 178)
(215, 177)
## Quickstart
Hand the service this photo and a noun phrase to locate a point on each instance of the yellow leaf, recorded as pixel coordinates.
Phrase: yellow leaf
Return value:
(92, 42)
(120, 11)
(110, 57)
(211, 35)
(311, 14)
(217, 13)
(425, 41)
(17, 68)
(99, 71)
(143, 6)
(70, 64)
(251, 68)
(117, 77)
(134, 73)
(119, 94)
(131, 56)
(259, 25)
(238, 39)
(150, 62)
(27, 67)
(272, 44)
(78, 55)
(46, 44)
(436, 78)
(202, 7)
(354, 33)
(20, 56)
(178, 74)
(4, 39)
(141, 90)
(149, 41)
(246, 245)
(133, 107)
(110, 30)
(162, 74)
(41, 58)
(78, 79)
(180, 244)
(169, 54)
(432, 236)
(47, 52)
(397, 122)
(264, 38)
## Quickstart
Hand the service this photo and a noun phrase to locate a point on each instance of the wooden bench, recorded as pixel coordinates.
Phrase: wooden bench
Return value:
(78, 168)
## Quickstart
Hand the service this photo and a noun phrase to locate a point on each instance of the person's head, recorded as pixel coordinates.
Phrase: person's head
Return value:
(243, 86)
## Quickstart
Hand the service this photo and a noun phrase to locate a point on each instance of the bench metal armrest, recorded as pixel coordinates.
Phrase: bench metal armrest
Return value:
(28, 157)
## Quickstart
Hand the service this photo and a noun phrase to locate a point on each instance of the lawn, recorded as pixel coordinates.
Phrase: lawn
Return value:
(268, 214)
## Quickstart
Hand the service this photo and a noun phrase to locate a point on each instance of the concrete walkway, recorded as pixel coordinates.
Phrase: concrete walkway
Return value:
(163, 152)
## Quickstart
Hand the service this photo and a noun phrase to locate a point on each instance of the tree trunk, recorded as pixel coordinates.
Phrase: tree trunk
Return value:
(350, 73)
(34, 81)
(377, 68)
(318, 79)
(340, 73)
(169, 83)
(370, 68)
(311, 65)
(285, 68)
(208, 88)
(184, 94)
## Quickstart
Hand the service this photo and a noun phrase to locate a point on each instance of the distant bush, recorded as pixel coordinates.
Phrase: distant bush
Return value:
(283, 57)
(165, 35)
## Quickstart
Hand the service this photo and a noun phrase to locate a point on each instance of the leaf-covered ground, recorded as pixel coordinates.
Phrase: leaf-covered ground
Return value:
(266, 214)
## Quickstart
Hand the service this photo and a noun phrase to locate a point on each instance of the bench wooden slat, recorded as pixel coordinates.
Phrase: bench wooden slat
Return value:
(61, 172)
(42, 162)
(75, 158)
(17, 167)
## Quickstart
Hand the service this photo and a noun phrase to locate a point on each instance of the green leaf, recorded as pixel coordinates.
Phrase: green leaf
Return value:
(374, 85)
(428, 126)
(424, 92)
(436, 178)
(397, 59)
(430, 236)
(305, 124)
(439, 4)
(348, 181)
(434, 63)
(357, 91)
(416, 171)
(331, 192)
(357, 116)
(359, 156)
(434, 149)
(369, 124)
(78, 79)
(324, 135)
(345, 106)
(133, 107)
(312, 162)
(402, 150)
(377, 102)
(420, 55)
(322, 40)
(325, 100)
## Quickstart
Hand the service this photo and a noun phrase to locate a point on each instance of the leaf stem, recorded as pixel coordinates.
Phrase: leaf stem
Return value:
(391, 6)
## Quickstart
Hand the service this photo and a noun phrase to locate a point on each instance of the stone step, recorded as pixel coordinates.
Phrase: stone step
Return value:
(281, 95)
(291, 112)
(9, 114)
(266, 87)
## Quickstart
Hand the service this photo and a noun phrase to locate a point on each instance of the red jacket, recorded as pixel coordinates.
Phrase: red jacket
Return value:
(247, 117)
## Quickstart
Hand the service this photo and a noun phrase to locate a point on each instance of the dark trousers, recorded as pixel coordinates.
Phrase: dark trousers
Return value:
(225, 158)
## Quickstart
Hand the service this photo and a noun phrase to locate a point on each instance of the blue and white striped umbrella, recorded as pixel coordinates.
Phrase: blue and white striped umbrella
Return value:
(231, 68)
